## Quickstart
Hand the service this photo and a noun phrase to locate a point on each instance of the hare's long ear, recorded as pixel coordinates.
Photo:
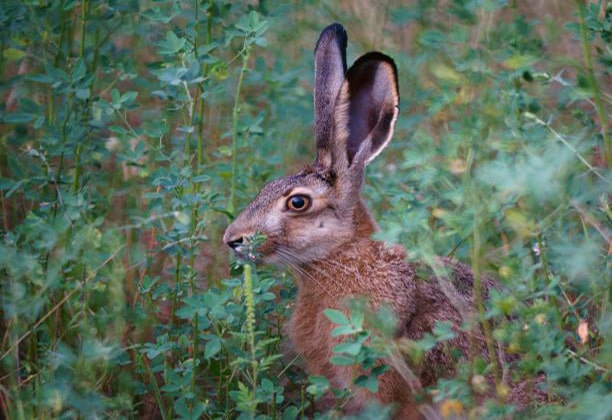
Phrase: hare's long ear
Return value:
(330, 68)
(365, 112)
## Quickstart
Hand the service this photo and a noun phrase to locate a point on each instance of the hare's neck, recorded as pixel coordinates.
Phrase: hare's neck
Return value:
(364, 223)
(350, 270)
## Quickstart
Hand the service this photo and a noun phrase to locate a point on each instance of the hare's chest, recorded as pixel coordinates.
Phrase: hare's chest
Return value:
(311, 335)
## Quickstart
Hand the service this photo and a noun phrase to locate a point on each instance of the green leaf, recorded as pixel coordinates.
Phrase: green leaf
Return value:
(18, 118)
(341, 360)
(336, 316)
(213, 346)
(291, 413)
(379, 370)
(225, 150)
(443, 330)
(253, 19)
(117, 129)
(197, 410)
(432, 38)
(319, 385)
(171, 44)
(368, 382)
(357, 317)
(343, 330)
(426, 343)
(79, 70)
(13, 54)
(128, 97)
(352, 349)
(82, 94)
(116, 98)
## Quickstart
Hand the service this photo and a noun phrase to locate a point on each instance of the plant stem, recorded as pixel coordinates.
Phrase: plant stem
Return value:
(231, 205)
(543, 258)
(192, 112)
(249, 299)
(84, 11)
(469, 184)
(77, 153)
(588, 64)
(62, 33)
(156, 391)
(14, 385)
(194, 359)
(205, 69)
(177, 281)
(77, 163)
(478, 303)
(5, 214)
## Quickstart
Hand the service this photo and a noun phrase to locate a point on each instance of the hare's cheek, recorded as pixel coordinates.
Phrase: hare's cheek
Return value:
(273, 222)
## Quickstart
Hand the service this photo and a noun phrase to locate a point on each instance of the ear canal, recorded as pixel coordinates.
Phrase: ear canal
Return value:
(367, 107)
(330, 68)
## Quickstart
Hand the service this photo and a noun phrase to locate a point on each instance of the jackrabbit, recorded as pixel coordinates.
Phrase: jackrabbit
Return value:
(317, 223)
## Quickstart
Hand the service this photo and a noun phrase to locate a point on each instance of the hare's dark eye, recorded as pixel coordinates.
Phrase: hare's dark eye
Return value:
(298, 202)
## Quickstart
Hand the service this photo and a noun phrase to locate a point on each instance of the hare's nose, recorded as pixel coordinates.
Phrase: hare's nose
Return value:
(235, 243)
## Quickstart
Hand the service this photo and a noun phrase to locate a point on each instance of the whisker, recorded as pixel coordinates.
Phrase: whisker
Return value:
(318, 268)
(291, 259)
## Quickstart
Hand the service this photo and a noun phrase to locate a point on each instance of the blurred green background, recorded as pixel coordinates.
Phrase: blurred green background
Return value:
(132, 132)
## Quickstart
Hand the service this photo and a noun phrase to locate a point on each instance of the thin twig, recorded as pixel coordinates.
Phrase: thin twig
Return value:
(567, 144)
(588, 362)
(588, 64)
(592, 221)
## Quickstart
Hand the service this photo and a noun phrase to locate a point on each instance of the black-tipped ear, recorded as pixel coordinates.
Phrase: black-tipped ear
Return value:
(330, 68)
(367, 107)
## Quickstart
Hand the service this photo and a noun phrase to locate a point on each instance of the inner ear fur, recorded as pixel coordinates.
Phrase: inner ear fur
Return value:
(366, 109)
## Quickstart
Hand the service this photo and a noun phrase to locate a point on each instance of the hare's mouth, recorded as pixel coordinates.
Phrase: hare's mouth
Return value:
(244, 254)
(262, 253)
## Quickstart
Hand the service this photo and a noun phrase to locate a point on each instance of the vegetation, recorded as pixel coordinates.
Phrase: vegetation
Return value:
(133, 131)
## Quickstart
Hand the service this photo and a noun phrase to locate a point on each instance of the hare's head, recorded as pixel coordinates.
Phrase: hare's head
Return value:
(306, 216)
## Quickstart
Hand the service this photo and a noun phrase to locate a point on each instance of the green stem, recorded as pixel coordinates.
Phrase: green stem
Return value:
(96, 52)
(60, 168)
(14, 334)
(478, 302)
(250, 306)
(77, 164)
(153, 380)
(192, 113)
(177, 280)
(77, 153)
(231, 205)
(194, 358)
(200, 146)
(84, 10)
(200, 98)
(5, 213)
(476, 273)
(205, 69)
(588, 64)
(249, 299)
(62, 33)
(2, 46)
(543, 258)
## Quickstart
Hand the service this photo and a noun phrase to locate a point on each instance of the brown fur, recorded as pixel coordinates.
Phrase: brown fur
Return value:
(328, 244)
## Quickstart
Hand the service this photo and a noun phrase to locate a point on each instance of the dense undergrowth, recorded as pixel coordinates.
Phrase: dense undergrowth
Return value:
(133, 131)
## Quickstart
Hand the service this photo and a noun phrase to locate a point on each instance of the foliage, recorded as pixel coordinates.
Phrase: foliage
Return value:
(133, 131)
